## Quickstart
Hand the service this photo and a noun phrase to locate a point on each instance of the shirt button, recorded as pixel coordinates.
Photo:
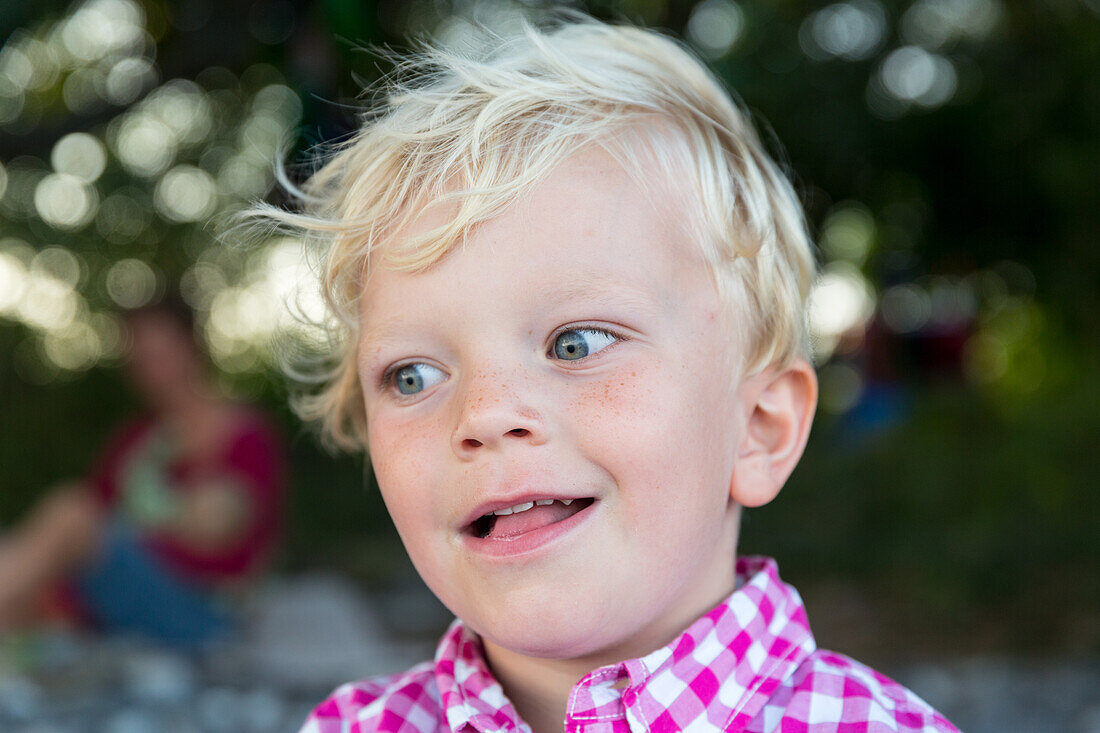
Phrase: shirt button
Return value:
(630, 697)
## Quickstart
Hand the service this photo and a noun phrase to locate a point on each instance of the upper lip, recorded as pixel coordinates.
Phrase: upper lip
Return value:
(511, 500)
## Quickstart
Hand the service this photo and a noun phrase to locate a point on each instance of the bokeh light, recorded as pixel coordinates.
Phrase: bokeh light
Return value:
(27, 63)
(18, 249)
(279, 100)
(475, 25)
(935, 23)
(235, 318)
(842, 300)
(61, 264)
(243, 178)
(905, 308)
(848, 232)
(84, 91)
(292, 283)
(275, 306)
(48, 304)
(110, 334)
(185, 194)
(64, 201)
(144, 145)
(182, 105)
(851, 30)
(263, 138)
(101, 27)
(15, 66)
(715, 27)
(13, 282)
(128, 78)
(74, 348)
(200, 283)
(131, 283)
(80, 155)
(11, 100)
(912, 74)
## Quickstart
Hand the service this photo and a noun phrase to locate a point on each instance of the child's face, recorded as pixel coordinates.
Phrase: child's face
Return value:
(492, 401)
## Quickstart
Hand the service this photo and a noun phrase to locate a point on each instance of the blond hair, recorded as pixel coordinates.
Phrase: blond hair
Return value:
(478, 131)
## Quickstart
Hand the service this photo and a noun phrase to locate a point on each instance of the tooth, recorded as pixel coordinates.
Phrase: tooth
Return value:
(503, 512)
(567, 502)
(522, 507)
(544, 502)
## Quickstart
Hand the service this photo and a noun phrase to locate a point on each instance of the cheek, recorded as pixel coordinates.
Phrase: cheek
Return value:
(650, 411)
(400, 454)
(665, 435)
(609, 415)
(624, 424)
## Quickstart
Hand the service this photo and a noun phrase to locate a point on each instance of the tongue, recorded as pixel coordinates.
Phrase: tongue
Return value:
(511, 525)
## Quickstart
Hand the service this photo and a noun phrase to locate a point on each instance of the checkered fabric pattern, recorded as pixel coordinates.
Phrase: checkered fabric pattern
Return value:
(750, 665)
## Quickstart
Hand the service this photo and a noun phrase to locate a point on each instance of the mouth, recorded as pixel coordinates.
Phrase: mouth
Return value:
(512, 522)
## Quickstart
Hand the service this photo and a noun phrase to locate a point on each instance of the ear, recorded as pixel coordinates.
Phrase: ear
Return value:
(778, 405)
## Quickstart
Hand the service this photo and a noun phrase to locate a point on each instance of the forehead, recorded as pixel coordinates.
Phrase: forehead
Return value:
(586, 233)
(589, 196)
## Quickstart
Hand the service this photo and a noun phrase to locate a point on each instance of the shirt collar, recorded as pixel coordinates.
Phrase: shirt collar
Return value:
(720, 671)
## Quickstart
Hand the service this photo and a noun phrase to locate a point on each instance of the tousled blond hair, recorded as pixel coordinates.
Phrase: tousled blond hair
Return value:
(479, 131)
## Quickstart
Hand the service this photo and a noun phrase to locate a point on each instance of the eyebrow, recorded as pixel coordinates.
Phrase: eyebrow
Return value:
(586, 288)
(590, 288)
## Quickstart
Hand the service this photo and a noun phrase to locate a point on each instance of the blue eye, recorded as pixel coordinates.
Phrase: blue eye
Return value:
(414, 378)
(581, 342)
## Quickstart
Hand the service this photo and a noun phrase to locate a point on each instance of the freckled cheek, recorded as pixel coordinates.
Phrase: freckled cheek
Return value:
(653, 431)
(608, 411)
(620, 424)
(401, 453)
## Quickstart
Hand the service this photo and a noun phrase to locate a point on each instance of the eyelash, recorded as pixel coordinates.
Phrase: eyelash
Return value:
(584, 327)
(386, 381)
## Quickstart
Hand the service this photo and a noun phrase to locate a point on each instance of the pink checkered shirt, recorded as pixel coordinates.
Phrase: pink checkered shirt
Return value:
(751, 665)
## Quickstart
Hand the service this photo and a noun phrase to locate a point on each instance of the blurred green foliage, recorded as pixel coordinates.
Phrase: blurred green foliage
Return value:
(946, 152)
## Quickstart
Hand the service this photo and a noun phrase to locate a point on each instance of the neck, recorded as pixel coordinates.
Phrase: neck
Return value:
(539, 688)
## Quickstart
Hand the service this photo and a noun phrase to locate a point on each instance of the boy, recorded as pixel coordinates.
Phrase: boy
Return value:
(573, 287)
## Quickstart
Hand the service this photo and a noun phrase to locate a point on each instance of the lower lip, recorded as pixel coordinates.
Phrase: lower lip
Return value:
(528, 542)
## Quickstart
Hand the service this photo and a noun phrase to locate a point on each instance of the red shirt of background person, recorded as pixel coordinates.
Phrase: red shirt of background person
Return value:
(249, 454)
(226, 470)
(196, 485)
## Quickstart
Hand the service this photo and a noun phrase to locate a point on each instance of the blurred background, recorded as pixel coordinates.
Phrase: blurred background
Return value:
(943, 525)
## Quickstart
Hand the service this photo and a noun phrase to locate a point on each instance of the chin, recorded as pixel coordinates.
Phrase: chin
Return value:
(561, 630)
(548, 643)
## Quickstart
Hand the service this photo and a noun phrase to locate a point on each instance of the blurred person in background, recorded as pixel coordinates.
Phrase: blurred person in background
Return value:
(180, 511)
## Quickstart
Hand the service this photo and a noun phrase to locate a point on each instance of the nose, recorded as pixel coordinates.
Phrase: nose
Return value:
(494, 414)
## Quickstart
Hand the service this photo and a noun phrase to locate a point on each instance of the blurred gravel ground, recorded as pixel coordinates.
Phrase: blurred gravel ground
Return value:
(306, 636)
(995, 695)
